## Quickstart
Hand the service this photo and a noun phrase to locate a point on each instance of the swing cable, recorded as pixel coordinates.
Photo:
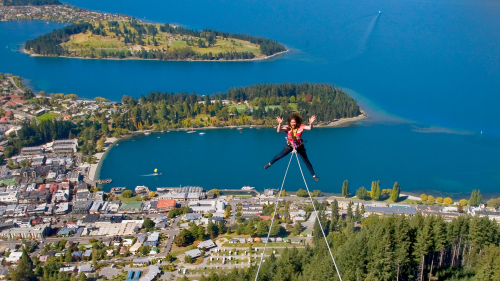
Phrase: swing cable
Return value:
(274, 213)
(319, 221)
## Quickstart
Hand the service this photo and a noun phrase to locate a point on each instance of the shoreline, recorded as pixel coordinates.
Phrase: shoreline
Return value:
(139, 59)
(95, 169)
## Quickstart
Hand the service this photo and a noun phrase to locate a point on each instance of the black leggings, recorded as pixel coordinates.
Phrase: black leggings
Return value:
(301, 150)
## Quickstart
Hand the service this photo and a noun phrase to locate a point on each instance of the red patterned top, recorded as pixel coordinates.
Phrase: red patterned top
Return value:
(294, 137)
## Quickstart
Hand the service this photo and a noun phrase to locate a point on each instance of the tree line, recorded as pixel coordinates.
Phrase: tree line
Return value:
(267, 46)
(389, 248)
(50, 44)
(169, 110)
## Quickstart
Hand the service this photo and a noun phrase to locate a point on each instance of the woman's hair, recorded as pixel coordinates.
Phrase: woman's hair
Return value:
(297, 119)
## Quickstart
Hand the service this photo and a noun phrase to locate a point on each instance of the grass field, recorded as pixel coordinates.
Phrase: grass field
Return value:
(47, 116)
(239, 107)
(131, 199)
(87, 43)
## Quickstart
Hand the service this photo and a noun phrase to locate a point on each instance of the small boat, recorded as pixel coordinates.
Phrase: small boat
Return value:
(147, 133)
(192, 130)
(202, 133)
(248, 188)
(158, 137)
(240, 128)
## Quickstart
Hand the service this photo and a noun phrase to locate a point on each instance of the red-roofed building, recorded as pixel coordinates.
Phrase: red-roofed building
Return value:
(11, 103)
(166, 205)
(265, 218)
(53, 187)
(42, 187)
(20, 101)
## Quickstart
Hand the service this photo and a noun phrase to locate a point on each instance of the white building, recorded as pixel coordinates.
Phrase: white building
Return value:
(207, 206)
(8, 196)
(14, 257)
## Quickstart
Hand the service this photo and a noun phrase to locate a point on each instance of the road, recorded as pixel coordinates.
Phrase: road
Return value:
(172, 232)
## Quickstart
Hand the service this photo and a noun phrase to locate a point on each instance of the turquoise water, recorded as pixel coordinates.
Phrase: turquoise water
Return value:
(427, 72)
(442, 164)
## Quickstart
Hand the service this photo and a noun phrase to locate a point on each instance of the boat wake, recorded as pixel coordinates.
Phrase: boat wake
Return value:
(151, 175)
(366, 37)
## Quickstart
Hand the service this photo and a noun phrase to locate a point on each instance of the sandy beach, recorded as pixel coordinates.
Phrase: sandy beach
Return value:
(99, 156)
(411, 197)
(346, 121)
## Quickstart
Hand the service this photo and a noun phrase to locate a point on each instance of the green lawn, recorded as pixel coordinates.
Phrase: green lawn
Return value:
(239, 107)
(131, 199)
(47, 116)
(84, 43)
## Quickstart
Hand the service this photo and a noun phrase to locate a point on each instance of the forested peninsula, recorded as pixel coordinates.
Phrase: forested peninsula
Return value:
(133, 39)
(94, 121)
(252, 105)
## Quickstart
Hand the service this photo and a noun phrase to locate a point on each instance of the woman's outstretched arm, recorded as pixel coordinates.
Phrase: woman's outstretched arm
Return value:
(280, 121)
(311, 121)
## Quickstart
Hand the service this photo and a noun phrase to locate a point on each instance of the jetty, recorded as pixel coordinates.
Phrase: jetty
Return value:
(104, 181)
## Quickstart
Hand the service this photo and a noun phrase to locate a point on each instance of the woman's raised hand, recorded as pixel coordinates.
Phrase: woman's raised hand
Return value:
(312, 119)
(279, 119)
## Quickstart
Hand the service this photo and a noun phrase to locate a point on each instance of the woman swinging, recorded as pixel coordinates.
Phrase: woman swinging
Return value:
(294, 132)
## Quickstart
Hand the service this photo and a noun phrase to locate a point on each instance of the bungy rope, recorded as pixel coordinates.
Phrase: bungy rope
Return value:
(315, 211)
(319, 221)
(272, 218)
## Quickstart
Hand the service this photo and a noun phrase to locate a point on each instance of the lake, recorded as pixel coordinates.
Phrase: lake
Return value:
(427, 72)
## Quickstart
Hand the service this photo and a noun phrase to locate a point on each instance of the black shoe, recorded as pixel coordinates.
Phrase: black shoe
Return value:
(267, 166)
(315, 178)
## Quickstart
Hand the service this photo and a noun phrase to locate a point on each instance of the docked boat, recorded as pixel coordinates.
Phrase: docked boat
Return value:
(141, 189)
(147, 133)
(248, 188)
(192, 130)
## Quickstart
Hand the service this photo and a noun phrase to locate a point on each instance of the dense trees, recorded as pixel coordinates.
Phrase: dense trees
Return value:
(475, 198)
(396, 191)
(362, 193)
(375, 190)
(267, 46)
(184, 238)
(168, 110)
(50, 44)
(24, 271)
(345, 188)
(323, 100)
(390, 248)
(493, 202)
